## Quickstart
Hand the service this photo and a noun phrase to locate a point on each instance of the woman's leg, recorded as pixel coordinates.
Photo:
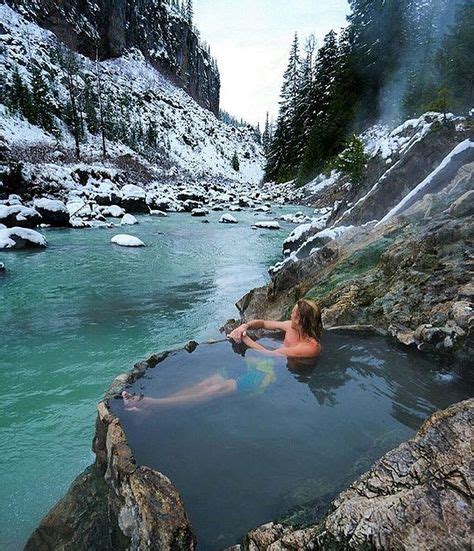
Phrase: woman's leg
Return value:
(204, 393)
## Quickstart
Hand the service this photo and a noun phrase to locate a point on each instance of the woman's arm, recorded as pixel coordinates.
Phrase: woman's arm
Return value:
(237, 333)
(301, 350)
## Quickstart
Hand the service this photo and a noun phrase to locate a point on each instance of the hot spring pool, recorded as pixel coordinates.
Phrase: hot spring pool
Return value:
(288, 437)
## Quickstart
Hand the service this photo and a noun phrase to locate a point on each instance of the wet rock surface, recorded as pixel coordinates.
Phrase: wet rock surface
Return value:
(416, 496)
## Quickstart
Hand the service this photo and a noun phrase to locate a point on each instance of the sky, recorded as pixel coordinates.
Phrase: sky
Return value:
(251, 41)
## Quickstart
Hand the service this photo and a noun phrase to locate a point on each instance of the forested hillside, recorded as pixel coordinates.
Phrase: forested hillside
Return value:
(396, 59)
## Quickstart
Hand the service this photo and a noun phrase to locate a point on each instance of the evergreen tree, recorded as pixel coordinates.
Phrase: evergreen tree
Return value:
(235, 162)
(280, 162)
(19, 98)
(41, 101)
(455, 60)
(353, 160)
(151, 134)
(266, 136)
(90, 110)
(189, 12)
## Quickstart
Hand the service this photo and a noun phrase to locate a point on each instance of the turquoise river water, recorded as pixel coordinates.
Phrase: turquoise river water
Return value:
(77, 314)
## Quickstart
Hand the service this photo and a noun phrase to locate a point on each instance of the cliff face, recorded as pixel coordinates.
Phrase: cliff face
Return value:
(159, 31)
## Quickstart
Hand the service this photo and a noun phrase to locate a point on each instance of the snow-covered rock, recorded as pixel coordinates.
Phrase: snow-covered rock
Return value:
(262, 208)
(52, 211)
(114, 211)
(128, 220)
(235, 208)
(21, 238)
(158, 213)
(228, 219)
(199, 212)
(19, 215)
(267, 225)
(134, 199)
(125, 240)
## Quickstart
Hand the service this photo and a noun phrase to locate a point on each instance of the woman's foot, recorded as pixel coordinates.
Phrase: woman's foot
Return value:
(131, 401)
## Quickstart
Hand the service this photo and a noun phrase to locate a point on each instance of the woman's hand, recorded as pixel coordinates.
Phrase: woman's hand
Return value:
(237, 334)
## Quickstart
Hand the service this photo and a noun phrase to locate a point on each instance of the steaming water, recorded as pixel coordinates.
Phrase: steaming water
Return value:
(74, 316)
(245, 459)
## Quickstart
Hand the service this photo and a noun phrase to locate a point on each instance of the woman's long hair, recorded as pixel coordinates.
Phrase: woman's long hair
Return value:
(310, 319)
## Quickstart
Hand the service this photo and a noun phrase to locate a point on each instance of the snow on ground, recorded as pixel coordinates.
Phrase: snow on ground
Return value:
(190, 138)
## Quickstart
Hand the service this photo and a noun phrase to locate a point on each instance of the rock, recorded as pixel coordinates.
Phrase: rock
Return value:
(270, 225)
(235, 208)
(464, 205)
(18, 215)
(52, 212)
(21, 238)
(463, 314)
(2, 268)
(227, 219)
(417, 496)
(199, 212)
(113, 211)
(134, 199)
(403, 334)
(127, 241)
(158, 213)
(128, 220)
(190, 205)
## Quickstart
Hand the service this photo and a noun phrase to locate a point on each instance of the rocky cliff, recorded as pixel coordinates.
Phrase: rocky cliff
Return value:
(393, 251)
(110, 29)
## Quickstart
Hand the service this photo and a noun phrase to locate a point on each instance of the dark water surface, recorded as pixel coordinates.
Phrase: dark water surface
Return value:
(247, 458)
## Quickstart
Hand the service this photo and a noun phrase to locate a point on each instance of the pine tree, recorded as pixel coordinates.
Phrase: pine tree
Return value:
(280, 162)
(235, 162)
(266, 137)
(90, 110)
(189, 12)
(455, 60)
(151, 134)
(41, 102)
(19, 98)
(353, 160)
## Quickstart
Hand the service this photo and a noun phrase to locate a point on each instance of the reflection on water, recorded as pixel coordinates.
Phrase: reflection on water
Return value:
(285, 432)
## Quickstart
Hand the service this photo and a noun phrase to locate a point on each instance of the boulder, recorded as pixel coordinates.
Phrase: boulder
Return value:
(228, 219)
(53, 212)
(18, 215)
(21, 238)
(113, 211)
(125, 240)
(128, 220)
(134, 199)
(199, 212)
(267, 225)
